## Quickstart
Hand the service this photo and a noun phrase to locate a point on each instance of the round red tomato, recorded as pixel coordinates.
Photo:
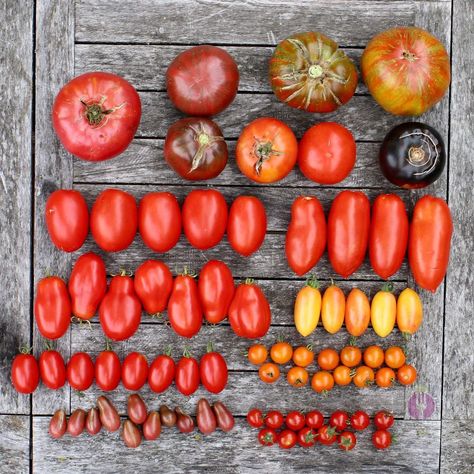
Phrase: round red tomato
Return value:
(267, 437)
(107, 370)
(216, 290)
(255, 418)
(266, 150)
(308, 71)
(287, 439)
(120, 312)
(25, 373)
(204, 218)
(187, 374)
(96, 115)
(406, 70)
(80, 371)
(295, 420)
(348, 231)
(52, 307)
(161, 373)
(159, 221)
(347, 440)
(87, 285)
(307, 437)
(430, 242)
(339, 420)
(213, 371)
(153, 283)
(327, 153)
(383, 420)
(388, 237)
(247, 225)
(202, 80)
(195, 148)
(67, 219)
(134, 371)
(274, 419)
(382, 439)
(249, 311)
(52, 369)
(359, 420)
(114, 220)
(327, 435)
(306, 236)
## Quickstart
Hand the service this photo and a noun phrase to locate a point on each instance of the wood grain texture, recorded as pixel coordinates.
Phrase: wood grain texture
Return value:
(16, 31)
(14, 444)
(218, 453)
(53, 166)
(457, 447)
(458, 402)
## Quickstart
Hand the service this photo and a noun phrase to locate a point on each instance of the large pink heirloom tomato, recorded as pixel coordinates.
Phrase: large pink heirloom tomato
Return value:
(308, 71)
(406, 70)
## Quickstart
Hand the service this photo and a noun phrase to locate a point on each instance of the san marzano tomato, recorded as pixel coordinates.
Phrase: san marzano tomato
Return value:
(187, 374)
(52, 369)
(134, 371)
(213, 371)
(80, 371)
(107, 370)
(161, 373)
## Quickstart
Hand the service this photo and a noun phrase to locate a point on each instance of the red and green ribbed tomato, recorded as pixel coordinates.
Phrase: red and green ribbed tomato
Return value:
(308, 71)
(406, 70)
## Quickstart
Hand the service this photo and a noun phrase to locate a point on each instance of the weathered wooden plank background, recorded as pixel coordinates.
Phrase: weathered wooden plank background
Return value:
(49, 41)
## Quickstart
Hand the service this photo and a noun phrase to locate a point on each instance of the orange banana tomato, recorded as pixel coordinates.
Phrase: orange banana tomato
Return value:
(357, 314)
(409, 311)
(307, 307)
(383, 311)
(332, 309)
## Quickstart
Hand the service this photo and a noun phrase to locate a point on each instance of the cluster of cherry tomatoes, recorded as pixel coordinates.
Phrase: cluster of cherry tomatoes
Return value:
(340, 368)
(307, 430)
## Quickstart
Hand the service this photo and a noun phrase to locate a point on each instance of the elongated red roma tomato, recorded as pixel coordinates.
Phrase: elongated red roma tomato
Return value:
(108, 370)
(52, 369)
(204, 218)
(25, 373)
(430, 242)
(114, 220)
(159, 221)
(388, 238)
(52, 307)
(67, 219)
(247, 225)
(87, 285)
(306, 236)
(216, 290)
(184, 306)
(153, 283)
(348, 231)
(213, 371)
(187, 374)
(161, 373)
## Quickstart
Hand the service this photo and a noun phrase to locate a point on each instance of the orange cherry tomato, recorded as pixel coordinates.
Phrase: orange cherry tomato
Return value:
(257, 354)
(322, 381)
(357, 314)
(395, 357)
(281, 352)
(406, 374)
(297, 377)
(351, 356)
(342, 375)
(409, 311)
(269, 372)
(328, 359)
(363, 377)
(303, 356)
(385, 377)
(373, 356)
(332, 309)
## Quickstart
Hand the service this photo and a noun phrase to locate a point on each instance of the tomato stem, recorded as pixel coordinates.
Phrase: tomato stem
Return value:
(210, 347)
(315, 71)
(95, 113)
(312, 281)
(263, 151)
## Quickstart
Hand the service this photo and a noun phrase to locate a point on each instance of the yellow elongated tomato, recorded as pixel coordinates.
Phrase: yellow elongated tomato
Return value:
(357, 314)
(307, 307)
(409, 311)
(333, 308)
(383, 311)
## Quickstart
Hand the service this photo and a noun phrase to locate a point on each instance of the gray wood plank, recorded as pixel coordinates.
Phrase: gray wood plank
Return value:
(457, 447)
(16, 31)
(15, 444)
(458, 380)
(235, 452)
(53, 166)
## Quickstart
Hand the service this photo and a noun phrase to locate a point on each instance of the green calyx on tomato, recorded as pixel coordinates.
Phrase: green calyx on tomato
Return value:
(312, 281)
(95, 112)
(263, 151)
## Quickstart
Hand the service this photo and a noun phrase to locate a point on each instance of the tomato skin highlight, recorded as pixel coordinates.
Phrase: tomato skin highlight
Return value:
(332, 309)
(357, 312)
(429, 245)
(25, 373)
(213, 371)
(108, 370)
(52, 369)
(306, 235)
(383, 312)
(67, 219)
(187, 376)
(134, 371)
(80, 371)
(161, 373)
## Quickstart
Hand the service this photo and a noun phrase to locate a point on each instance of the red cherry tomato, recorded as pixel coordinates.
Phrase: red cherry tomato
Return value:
(295, 420)
(80, 371)
(307, 437)
(213, 371)
(327, 153)
(249, 312)
(96, 115)
(87, 285)
(382, 439)
(306, 236)
(153, 283)
(348, 231)
(161, 373)
(120, 312)
(339, 420)
(134, 371)
(159, 221)
(314, 419)
(388, 238)
(359, 420)
(216, 290)
(25, 373)
(347, 440)
(52, 369)
(287, 439)
(267, 437)
(204, 218)
(187, 374)
(255, 418)
(274, 419)
(107, 370)
(52, 307)
(67, 219)
(247, 225)
(184, 306)
(383, 420)
(327, 435)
